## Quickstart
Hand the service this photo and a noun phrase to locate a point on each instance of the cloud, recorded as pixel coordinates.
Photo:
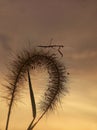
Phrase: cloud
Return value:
(4, 42)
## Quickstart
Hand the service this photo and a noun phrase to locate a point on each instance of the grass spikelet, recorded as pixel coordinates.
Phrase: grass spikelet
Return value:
(27, 60)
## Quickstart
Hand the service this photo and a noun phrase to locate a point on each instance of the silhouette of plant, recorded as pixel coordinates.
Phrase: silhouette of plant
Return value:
(21, 66)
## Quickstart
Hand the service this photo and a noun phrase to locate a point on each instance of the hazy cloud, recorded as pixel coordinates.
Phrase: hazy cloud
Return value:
(4, 42)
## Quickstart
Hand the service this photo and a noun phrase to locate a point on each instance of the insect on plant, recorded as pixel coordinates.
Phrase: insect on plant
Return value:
(21, 66)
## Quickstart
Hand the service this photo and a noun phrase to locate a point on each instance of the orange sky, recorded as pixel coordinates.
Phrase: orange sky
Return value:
(72, 23)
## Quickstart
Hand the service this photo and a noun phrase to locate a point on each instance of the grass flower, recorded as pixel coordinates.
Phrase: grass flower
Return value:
(21, 67)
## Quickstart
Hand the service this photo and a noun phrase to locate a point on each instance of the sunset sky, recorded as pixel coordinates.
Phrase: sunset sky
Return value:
(72, 23)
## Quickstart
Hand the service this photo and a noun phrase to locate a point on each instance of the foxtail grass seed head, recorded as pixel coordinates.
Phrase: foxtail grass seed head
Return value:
(29, 60)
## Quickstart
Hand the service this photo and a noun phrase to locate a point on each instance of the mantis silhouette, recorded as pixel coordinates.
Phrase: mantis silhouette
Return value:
(53, 46)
